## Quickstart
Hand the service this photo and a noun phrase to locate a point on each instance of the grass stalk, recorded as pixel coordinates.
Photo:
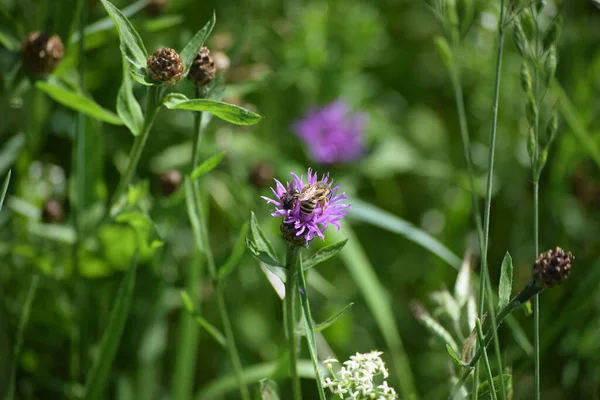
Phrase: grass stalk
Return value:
(486, 360)
(291, 263)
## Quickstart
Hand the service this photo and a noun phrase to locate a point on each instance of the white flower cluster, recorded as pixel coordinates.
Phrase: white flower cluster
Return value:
(355, 379)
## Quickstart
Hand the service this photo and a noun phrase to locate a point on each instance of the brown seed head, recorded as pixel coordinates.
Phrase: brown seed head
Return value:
(262, 174)
(156, 7)
(203, 69)
(52, 212)
(552, 267)
(42, 53)
(289, 234)
(165, 66)
(170, 181)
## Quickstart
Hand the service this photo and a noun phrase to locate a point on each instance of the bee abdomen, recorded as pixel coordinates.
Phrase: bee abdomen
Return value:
(307, 206)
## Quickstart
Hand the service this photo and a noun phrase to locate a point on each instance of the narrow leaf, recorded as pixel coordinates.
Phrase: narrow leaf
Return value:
(432, 325)
(23, 321)
(261, 241)
(128, 108)
(207, 166)
(140, 78)
(330, 321)
(261, 255)
(210, 328)
(132, 45)
(371, 214)
(484, 392)
(454, 356)
(310, 335)
(227, 112)
(4, 189)
(193, 214)
(236, 254)
(78, 102)
(324, 254)
(268, 390)
(187, 301)
(191, 49)
(100, 373)
(505, 286)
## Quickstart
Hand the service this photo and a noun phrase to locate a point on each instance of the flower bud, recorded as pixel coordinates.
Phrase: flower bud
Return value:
(203, 69)
(531, 110)
(520, 39)
(53, 211)
(169, 182)
(42, 53)
(289, 234)
(552, 267)
(526, 78)
(165, 66)
(550, 65)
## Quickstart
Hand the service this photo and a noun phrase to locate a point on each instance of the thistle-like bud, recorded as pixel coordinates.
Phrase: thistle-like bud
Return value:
(53, 211)
(262, 174)
(553, 32)
(289, 234)
(528, 23)
(42, 53)
(156, 7)
(526, 78)
(550, 65)
(203, 69)
(165, 66)
(552, 267)
(531, 110)
(520, 39)
(169, 182)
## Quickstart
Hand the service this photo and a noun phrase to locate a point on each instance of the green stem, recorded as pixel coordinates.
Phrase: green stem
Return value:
(153, 102)
(291, 263)
(486, 360)
(527, 293)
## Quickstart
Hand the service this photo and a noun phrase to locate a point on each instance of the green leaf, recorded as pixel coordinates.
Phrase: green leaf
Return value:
(261, 255)
(23, 321)
(484, 392)
(78, 102)
(371, 214)
(207, 166)
(227, 112)
(210, 328)
(140, 78)
(454, 356)
(327, 323)
(261, 241)
(187, 301)
(4, 189)
(310, 333)
(100, 373)
(236, 254)
(432, 325)
(193, 214)
(505, 285)
(128, 108)
(132, 45)
(191, 49)
(268, 390)
(324, 254)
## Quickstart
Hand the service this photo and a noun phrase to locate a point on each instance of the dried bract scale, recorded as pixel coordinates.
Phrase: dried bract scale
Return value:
(42, 53)
(52, 212)
(156, 7)
(203, 69)
(552, 267)
(170, 181)
(165, 66)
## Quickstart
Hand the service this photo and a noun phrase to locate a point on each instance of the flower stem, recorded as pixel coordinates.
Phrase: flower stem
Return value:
(486, 360)
(153, 102)
(291, 263)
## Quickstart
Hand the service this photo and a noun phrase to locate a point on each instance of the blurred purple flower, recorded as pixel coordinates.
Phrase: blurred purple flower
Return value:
(304, 227)
(333, 134)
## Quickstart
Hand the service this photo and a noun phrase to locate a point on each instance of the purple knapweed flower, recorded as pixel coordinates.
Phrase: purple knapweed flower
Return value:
(333, 134)
(299, 227)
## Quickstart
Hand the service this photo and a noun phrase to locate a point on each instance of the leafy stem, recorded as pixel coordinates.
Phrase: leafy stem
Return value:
(291, 263)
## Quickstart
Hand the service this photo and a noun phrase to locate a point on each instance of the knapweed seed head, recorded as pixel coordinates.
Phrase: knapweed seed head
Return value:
(169, 182)
(552, 267)
(165, 66)
(53, 211)
(333, 134)
(203, 69)
(294, 200)
(42, 53)
(356, 379)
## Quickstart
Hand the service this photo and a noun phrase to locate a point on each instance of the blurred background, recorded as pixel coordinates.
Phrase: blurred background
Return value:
(285, 59)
